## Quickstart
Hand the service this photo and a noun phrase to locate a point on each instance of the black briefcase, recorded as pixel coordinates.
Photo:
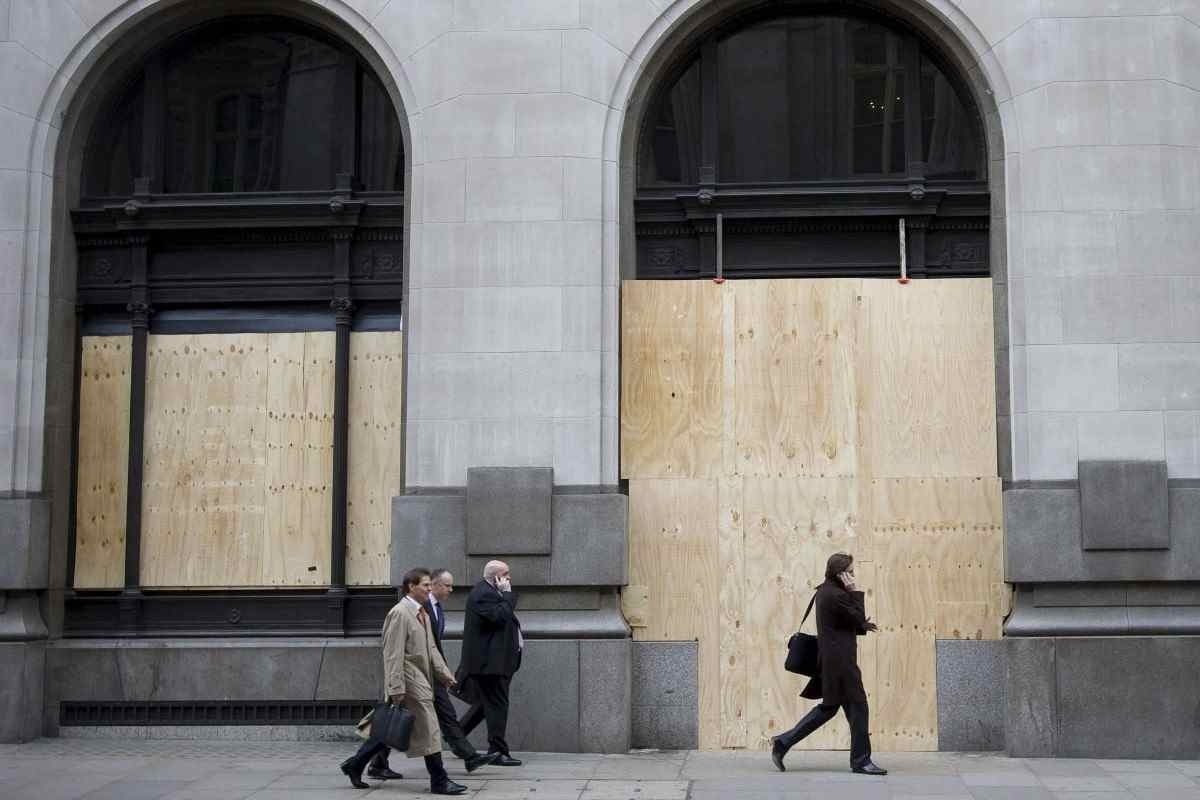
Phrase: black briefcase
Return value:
(803, 657)
(392, 725)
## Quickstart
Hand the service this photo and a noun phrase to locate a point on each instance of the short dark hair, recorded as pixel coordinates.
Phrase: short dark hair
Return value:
(438, 572)
(414, 575)
(837, 564)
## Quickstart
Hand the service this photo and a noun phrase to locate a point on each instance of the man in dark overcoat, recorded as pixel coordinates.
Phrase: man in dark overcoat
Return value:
(443, 586)
(841, 619)
(491, 653)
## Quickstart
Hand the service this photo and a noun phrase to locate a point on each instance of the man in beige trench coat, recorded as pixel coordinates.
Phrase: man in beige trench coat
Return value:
(411, 663)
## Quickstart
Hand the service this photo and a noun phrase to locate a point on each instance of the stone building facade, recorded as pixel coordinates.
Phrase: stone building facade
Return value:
(520, 122)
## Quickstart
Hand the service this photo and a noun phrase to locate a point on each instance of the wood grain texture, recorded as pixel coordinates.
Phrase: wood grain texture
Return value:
(794, 401)
(236, 429)
(735, 677)
(671, 379)
(103, 465)
(376, 472)
(926, 379)
(674, 552)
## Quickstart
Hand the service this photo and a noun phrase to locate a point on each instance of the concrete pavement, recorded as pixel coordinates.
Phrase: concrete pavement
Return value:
(133, 769)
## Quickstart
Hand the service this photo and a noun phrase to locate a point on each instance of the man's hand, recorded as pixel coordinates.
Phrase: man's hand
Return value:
(396, 699)
(871, 626)
(504, 584)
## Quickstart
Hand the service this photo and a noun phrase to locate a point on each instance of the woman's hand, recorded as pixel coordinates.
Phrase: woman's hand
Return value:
(848, 582)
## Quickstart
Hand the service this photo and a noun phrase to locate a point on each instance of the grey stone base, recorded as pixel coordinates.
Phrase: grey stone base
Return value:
(970, 695)
(571, 695)
(666, 695)
(23, 667)
(1103, 697)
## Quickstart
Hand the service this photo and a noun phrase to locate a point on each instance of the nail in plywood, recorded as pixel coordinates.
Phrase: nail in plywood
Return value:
(926, 379)
(671, 378)
(376, 471)
(103, 465)
(794, 390)
(674, 552)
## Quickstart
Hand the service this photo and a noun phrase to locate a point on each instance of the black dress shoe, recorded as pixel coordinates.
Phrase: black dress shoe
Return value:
(778, 751)
(355, 775)
(383, 773)
(869, 768)
(505, 760)
(449, 787)
(480, 760)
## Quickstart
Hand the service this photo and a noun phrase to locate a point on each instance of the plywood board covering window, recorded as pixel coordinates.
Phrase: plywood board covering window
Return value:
(103, 462)
(238, 460)
(768, 424)
(376, 450)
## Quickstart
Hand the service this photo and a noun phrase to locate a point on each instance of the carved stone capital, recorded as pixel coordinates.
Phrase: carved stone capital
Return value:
(343, 307)
(139, 314)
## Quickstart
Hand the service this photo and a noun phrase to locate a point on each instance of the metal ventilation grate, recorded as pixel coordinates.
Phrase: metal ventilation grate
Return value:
(216, 712)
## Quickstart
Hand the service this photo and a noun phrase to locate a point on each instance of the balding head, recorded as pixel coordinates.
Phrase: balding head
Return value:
(493, 570)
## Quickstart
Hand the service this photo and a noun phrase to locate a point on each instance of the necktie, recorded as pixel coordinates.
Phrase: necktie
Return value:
(421, 616)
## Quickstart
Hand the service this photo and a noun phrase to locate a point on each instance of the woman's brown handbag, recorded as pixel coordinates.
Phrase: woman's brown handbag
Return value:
(803, 657)
(392, 725)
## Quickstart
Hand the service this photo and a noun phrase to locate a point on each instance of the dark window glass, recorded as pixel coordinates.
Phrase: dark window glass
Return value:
(114, 155)
(255, 107)
(672, 154)
(948, 131)
(381, 157)
(812, 98)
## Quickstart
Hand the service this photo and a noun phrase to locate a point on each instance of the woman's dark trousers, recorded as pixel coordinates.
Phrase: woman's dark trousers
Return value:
(856, 715)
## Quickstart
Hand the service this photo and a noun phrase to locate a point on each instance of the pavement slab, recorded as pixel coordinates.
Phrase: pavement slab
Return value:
(153, 769)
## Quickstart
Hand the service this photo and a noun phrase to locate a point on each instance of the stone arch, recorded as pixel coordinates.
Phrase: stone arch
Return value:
(83, 81)
(941, 22)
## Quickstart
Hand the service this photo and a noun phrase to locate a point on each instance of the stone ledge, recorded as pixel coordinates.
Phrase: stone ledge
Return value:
(1043, 541)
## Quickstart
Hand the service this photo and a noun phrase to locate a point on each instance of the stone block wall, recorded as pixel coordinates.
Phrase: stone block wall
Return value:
(1102, 697)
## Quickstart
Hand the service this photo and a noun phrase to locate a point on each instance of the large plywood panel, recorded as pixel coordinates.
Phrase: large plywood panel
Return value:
(960, 522)
(320, 355)
(297, 533)
(926, 379)
(238, 434)
(856, 420)
(674, 552)
(791, 527)
(376, 469)
(794, 392)
(671, 379)
(103, 465)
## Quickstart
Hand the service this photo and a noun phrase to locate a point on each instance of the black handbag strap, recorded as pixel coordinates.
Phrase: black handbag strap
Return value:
(808, 610)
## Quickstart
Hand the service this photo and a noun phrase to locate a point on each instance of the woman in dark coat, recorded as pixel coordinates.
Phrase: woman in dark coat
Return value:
(841, 619)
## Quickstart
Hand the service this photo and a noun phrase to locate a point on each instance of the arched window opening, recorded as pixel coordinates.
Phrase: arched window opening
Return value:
(240, 243)
(253, 105)
(811, 134)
